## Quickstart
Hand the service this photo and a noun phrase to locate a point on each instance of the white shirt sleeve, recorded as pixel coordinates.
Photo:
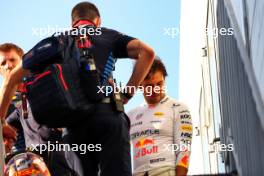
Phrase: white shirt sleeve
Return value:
(182, 134)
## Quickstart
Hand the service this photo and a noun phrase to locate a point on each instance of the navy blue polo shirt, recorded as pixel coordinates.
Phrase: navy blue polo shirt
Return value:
(110, 41)
(107, 47)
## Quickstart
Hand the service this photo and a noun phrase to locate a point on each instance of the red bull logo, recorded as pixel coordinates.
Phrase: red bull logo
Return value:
(145, 147)
(143, 142)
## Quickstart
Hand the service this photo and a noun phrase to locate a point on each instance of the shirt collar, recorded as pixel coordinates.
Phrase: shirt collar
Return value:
(84, 22)
(163, 100)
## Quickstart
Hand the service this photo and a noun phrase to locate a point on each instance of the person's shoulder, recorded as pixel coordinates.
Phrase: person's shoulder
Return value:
(169, 101)
(106, 30)
(181, 106)
(113, 32)
(134, 111)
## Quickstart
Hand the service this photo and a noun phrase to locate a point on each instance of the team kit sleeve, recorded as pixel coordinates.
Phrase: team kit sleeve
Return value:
(14, 120)
(120, 45)
(182, 136)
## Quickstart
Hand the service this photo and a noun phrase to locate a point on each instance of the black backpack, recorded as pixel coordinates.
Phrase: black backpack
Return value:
(62, 87)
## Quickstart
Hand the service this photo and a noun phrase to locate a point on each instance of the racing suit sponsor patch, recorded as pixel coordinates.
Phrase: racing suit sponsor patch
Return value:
(139, 116)
(187, 128)
(184, 162)
(145, 132)
(185, 116)
(158, 114)
(187, 135)
(136, 124)
(157, 160)
(145, 146)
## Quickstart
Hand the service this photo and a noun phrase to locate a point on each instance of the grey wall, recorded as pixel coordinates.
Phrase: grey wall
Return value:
(255, 14)
(241, 124)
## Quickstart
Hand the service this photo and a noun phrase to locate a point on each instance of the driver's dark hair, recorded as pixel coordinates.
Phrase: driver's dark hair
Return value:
(84, 11)
(157, 66)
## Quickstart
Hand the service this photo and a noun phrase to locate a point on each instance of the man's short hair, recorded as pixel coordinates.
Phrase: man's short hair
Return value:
(7, 47)
(157, 66)
(84, 11)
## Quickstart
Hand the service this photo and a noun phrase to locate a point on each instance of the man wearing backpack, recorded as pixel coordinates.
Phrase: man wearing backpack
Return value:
(108, 125)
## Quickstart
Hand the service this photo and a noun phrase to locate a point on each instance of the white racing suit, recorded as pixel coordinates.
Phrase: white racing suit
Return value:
(160, 137)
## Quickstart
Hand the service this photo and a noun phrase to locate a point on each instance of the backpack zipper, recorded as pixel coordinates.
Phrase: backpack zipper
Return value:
(61, 77)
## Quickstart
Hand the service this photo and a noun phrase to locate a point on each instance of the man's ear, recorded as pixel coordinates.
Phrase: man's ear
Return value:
(97, 21)
(73, 22)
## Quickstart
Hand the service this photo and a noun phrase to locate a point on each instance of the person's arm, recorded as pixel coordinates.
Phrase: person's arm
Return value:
(9, 139)
(144, 56)
(13, 119)
(9, 132)
(129, 47)
(182, 138)
(10, 125)
(9, 87)
(9, 135)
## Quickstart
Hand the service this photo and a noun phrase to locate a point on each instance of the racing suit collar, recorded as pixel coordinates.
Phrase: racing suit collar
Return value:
(163, 100)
